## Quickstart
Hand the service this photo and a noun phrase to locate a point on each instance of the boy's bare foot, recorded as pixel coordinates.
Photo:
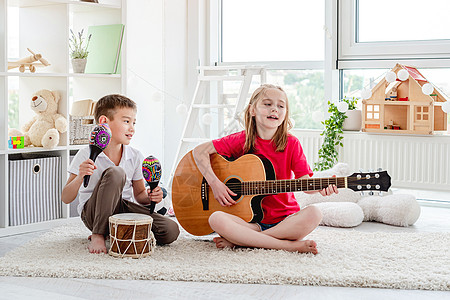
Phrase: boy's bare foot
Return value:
(308, 246)
(97, 244)
(223, 243)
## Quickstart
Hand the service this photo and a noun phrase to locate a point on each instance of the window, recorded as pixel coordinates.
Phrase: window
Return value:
(373, 113)
(402, 20)
(305, 92)
(288, 38)
(421, 113)
(354, 81)
(401, 29)
(264, 30)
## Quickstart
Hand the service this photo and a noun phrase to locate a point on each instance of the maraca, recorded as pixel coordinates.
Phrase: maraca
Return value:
(151, 169)
(100, 136)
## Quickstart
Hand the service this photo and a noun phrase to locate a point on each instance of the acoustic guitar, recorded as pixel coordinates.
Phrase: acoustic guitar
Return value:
(252, 178)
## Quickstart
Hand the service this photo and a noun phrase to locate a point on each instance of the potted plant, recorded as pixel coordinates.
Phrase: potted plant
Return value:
(78, 45)
(328, 153)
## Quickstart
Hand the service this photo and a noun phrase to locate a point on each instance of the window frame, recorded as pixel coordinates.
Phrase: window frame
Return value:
(353, 54)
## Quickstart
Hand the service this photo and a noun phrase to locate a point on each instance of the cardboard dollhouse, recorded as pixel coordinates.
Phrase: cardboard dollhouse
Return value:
(402, 107)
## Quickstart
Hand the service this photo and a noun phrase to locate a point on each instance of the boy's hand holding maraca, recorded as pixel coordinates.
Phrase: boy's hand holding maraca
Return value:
(155, 195)
(151, 170)
(99, 139)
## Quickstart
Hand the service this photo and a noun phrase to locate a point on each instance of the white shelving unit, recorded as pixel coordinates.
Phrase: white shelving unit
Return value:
(44, 26)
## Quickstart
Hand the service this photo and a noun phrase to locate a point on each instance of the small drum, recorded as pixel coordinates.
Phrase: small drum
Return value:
(131, 235)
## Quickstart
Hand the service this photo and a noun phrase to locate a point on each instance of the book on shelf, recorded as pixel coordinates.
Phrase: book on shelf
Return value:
(104, 49)
(83, 108)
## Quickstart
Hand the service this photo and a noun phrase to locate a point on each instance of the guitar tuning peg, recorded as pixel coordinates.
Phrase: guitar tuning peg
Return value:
(362, 193)
(371, 193)
(361, 170)
(379, 169)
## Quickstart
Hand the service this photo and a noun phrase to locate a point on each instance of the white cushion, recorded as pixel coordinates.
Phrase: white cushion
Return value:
(344, 195)
(340, 214)
(398, 210)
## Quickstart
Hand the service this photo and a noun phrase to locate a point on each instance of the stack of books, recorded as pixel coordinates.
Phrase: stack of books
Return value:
(83, 108)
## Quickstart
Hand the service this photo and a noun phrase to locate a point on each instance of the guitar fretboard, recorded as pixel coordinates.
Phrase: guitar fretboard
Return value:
(285, 186)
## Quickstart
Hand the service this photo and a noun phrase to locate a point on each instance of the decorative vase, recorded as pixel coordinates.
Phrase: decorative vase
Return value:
(78, 65)
(353, 121)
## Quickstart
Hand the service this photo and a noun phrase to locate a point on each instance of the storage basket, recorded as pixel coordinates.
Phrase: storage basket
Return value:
(35, 187)
(80, 129)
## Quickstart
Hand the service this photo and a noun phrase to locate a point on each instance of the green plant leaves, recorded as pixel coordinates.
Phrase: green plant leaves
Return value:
(328, 153)
(78, 45)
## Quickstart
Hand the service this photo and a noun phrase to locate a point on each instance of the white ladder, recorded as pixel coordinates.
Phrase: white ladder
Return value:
(208, 75)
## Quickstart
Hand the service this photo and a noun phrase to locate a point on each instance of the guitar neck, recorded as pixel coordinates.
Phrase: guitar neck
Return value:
(285, 186)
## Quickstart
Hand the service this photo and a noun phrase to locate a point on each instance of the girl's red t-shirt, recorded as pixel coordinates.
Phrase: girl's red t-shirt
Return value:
(289, 164)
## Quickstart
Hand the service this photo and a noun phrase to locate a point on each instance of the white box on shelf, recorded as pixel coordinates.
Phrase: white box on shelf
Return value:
(34, 190)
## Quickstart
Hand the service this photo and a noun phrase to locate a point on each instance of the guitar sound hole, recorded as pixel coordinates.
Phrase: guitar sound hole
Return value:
(234, 184)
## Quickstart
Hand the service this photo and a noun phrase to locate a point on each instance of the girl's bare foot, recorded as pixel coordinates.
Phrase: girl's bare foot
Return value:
(223, 243)
(308, 246)
(97, 244)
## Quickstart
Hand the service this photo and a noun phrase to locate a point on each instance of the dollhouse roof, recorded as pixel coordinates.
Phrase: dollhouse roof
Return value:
(413, 74)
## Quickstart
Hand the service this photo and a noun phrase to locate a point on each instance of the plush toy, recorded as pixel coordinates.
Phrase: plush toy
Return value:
(43, 130)
(349, 208)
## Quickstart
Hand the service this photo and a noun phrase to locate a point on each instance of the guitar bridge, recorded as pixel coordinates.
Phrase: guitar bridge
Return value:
(205, 194)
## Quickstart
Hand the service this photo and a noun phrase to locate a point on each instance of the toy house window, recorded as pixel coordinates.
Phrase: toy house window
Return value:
(422, 113)
(373, 112)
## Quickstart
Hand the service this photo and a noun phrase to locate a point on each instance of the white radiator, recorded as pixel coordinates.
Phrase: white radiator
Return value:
(417, 162)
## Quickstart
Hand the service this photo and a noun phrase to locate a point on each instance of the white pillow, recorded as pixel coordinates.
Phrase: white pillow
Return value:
(398, 210)
(344, 195)
(340, 214)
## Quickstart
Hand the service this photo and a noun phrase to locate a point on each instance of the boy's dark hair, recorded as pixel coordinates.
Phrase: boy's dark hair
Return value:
(108, 104)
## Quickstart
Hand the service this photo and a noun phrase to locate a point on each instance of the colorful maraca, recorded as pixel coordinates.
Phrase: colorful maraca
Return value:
(151, 169)
(100, 136)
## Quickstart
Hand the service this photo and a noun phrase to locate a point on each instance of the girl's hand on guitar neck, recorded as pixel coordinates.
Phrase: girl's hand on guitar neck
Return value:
(331, 189)
(222, 193)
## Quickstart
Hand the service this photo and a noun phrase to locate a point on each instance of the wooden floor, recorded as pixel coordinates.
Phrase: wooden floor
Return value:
(432, 219)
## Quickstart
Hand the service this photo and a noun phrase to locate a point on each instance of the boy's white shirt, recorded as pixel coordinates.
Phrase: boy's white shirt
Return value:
(131, 162)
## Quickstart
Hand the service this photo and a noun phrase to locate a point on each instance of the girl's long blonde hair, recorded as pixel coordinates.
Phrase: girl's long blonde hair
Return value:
(280, 137)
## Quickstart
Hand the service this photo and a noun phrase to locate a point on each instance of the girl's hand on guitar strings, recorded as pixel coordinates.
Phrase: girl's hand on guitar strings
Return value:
(331, 189)
(222, 193)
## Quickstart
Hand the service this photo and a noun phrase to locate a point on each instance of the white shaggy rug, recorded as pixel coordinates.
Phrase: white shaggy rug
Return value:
(347, 258)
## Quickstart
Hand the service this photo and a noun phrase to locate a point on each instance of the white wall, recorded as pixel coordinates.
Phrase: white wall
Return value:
(157, 69)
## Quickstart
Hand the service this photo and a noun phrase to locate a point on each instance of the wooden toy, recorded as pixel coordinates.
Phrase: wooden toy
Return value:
(29, 62)
(403, 107)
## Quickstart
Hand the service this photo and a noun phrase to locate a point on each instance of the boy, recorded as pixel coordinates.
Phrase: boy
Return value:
(116, 177)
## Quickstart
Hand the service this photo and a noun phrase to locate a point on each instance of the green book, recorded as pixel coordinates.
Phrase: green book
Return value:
(119, 64)
(104, 48)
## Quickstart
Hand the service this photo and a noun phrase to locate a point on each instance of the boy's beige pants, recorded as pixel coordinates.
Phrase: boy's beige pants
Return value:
(106, 200)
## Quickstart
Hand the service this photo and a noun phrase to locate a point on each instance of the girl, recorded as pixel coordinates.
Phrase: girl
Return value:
(266, 132)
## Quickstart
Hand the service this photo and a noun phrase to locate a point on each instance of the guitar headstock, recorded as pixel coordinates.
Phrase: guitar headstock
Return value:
(371, 181)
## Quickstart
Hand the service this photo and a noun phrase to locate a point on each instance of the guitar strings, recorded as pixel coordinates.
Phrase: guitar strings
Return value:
(268, 185)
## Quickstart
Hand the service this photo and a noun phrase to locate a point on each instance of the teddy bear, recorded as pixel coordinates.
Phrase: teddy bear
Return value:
(44, 129)
(349, 208)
